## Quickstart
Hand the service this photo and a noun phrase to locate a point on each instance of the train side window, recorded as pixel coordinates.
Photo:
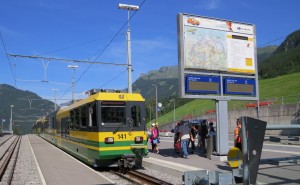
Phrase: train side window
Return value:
(72, 118)
(92, 115)
(83, 116)
(136, 115)
(76, 120)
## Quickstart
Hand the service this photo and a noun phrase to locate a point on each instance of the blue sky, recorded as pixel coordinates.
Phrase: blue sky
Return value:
(81, 30)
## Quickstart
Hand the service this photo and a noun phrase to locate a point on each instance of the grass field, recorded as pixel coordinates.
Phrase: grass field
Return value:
(280, 90)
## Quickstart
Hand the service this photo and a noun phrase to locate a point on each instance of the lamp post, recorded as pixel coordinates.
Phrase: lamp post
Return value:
(174, 110)
(129, 8)
(10, 125)
(73, 67)
(54, 98)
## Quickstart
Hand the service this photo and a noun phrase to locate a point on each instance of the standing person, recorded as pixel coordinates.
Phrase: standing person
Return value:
(184, 135)
(203, 134)
(153, 138)
(176, 138)
(237, 134)
(212, 135)
(158, 138)
(194, 131)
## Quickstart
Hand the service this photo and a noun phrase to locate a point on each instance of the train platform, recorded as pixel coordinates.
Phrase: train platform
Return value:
(57, 168)
(279, 163)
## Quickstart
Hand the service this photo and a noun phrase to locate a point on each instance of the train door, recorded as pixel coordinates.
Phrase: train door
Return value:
(136, 116)
(62, 130)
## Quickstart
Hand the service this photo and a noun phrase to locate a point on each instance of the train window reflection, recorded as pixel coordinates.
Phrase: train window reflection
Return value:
(136, 115)
(113, 115)
(83, 116)
(93, 115)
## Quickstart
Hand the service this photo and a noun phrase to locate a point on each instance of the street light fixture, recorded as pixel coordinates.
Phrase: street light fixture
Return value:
(72, 67)
(129, 8)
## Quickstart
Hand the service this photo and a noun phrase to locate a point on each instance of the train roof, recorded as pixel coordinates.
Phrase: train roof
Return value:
(106, 96)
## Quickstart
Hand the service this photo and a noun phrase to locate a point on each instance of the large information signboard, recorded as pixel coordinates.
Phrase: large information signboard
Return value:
(216, 47)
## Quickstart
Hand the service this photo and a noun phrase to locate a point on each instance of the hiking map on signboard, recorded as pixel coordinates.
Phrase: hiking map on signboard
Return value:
(218, 45)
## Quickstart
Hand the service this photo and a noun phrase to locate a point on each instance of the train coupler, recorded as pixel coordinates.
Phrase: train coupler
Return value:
(127, 161)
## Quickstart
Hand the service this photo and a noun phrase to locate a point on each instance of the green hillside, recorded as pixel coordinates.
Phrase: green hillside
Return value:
(284, 88)
(284, 60)
(27, 107)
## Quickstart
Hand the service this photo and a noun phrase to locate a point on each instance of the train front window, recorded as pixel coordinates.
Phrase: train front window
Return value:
(113, 114)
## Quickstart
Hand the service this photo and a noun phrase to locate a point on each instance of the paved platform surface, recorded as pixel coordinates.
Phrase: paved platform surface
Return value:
(277, 164)
(61, 169)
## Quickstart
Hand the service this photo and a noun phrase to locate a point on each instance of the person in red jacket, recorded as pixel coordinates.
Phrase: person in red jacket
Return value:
(154, 138)
(237, 134)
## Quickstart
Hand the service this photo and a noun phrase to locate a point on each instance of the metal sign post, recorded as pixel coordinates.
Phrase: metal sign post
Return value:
(222, 127)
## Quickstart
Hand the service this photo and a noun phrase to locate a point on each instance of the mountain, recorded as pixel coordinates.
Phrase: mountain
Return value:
(27, 107)
(264, 52)
(284, 60)
(165, 78)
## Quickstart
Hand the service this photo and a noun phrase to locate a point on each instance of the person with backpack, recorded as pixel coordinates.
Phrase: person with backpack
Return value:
(185, 136)
(176, 138)
(237, 134)
(154, 138)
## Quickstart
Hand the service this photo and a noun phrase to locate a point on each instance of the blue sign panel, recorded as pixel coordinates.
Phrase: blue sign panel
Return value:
(239, 86)
(198, 84)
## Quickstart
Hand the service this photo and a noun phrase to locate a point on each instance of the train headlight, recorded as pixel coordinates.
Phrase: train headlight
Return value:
(138, 139)
(109, 140)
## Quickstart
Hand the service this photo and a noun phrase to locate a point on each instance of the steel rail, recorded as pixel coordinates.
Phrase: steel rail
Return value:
(7, 157)
(5, 140)
(141, 178)
(14, 162)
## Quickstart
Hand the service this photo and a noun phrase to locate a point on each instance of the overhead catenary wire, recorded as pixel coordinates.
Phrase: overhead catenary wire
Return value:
(58, 83)
(273, 40)
(10, 66)
(75, 45)
(102, 51)
(65, 60)
(113, 78)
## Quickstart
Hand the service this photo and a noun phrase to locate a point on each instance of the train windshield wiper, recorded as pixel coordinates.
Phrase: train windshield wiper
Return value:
(117, 129)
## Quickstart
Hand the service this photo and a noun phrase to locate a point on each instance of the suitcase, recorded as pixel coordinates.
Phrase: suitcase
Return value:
(177, 147)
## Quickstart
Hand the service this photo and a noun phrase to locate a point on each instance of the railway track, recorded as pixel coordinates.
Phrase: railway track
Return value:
(140, 178)
(8, 161)
(2, 142)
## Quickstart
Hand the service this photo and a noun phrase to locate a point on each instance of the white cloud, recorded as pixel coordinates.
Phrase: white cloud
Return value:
(209, 4)
(5, 31)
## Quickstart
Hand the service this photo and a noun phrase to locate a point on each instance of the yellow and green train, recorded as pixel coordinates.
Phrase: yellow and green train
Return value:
(105, 129)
